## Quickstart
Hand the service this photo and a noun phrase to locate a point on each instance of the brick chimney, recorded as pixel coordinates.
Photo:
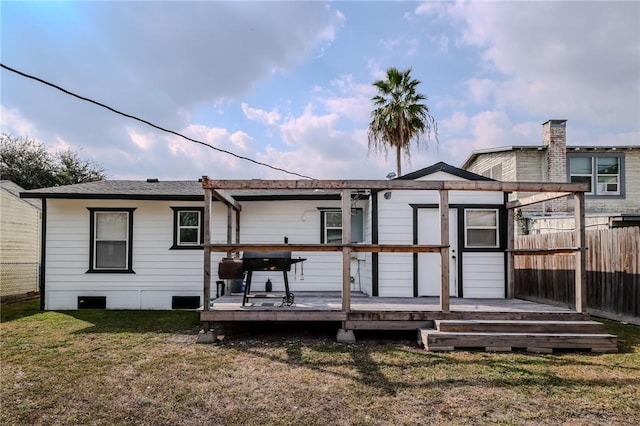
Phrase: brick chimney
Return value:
(554, 138)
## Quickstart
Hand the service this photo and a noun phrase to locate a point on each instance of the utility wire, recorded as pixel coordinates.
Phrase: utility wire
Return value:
(155, 126)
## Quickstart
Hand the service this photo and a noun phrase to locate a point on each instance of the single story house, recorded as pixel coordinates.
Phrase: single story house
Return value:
(139, 244)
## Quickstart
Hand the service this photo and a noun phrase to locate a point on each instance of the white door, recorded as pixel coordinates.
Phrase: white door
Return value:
(429, 263)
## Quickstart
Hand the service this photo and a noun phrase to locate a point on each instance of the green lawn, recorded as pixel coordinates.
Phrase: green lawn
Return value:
(144, 368)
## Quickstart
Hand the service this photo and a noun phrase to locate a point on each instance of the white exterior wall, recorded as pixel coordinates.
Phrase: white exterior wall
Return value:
(299, 221)
(361, 267)
(160, 273)
(19, 242)
(395, 219)
(483, 275)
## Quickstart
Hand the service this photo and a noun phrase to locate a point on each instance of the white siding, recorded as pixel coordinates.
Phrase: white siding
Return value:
(483, 275)
(395, 220)
(395, 226)
(299, 221)
(19, 242)
(159, 272)
(395, 272)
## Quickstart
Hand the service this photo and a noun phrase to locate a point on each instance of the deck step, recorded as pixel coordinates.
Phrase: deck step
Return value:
(517, 326)
(434, 340)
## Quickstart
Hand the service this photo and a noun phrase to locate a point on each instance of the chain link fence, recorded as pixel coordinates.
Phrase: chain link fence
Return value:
(19, 278)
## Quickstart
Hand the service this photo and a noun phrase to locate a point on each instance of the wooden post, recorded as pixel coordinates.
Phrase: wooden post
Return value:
(444, 251)
(238, 226)
(580, 269)
(229, 227)
(207, 250)
(511, 272)
(346, 250)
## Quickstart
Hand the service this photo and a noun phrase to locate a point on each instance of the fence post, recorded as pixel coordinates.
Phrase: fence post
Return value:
(510, 255)
(580, 270)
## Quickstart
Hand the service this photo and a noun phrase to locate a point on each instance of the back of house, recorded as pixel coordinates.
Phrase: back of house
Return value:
(139, 244)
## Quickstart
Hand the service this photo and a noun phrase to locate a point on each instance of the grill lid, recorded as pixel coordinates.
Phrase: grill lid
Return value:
(266, 255)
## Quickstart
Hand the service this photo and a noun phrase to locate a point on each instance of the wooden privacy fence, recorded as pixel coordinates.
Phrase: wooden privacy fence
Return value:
(612, 271)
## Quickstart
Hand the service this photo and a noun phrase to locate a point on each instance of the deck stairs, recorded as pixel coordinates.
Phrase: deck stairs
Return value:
(507, 335)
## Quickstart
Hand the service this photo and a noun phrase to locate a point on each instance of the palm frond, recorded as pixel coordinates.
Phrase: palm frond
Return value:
(400, 115)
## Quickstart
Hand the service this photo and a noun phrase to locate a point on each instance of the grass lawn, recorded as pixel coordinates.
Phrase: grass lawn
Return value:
(144, 368)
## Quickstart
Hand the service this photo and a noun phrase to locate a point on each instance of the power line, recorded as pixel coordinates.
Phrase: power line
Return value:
(155, 126)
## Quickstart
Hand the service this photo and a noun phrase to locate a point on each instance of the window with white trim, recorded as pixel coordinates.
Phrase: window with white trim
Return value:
(111, 234)
(481, 228)
(601, 172)
(187, 227)
(331, 226)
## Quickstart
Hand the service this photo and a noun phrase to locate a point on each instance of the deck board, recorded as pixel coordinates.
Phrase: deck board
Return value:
(332, 301)
(327, 306)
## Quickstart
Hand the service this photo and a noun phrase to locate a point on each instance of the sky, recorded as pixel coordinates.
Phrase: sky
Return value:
(289, 83)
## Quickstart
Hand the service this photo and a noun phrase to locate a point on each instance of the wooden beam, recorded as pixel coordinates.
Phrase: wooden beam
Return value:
(543, 252)
(207, 250)
(355, 248)
(227, 199)
(537, 198)
(396, 248)
(444, 251)
(339, 185)
(271, 315)
(346, 250)
(511, 273)
(580, 272)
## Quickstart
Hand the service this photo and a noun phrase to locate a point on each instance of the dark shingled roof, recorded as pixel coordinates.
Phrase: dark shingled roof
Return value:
(185, 190)
(442, 167)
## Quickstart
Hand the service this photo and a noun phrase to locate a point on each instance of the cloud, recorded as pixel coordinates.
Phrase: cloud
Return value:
(481, 89)
(442, 41)
(141, 140)
(255, 114)
(349, 99)
(454, 124)
(164, 60)
(60, 146)
(309, 129)
(12, 121)
(498, 70)
(461, 134)
(576, 62)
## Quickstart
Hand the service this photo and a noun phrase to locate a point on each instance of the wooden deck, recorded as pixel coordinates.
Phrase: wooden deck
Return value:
(380, 312)
(489, 324)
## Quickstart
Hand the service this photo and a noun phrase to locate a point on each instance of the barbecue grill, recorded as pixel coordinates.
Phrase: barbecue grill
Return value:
(260, 261)
(268, 261)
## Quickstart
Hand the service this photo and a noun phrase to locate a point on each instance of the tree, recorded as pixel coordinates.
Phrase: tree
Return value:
(400, 117)
(73, 169)
(26, 162)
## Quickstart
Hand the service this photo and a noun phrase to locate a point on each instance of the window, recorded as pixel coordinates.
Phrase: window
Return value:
(111, 232)
(481, 228)
(494, 172)
(331, 226)
(602, 172)
(188, 232)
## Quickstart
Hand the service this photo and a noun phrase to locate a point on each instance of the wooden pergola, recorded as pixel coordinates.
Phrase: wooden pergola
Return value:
(219, 189)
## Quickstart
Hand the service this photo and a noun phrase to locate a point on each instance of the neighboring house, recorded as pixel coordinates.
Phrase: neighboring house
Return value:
(19, 242)
(138, 245)
(612, 171)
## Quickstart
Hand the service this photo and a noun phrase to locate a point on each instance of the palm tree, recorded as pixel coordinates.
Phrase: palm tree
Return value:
(400, 116)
